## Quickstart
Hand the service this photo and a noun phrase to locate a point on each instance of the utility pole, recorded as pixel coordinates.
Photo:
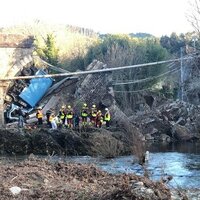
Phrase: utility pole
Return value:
(194, 42)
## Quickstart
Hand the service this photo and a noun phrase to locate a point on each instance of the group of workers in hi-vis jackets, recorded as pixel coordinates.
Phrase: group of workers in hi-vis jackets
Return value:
(70, 119)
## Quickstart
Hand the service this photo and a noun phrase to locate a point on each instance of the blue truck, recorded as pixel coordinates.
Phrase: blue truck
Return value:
(26, 95)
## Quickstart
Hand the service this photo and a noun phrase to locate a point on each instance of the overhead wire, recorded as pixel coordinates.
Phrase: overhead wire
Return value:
(142, 80)
(133, 91)
(93, 71)
(146, 79)
(171, 65)
(52, 66)
(151, 78)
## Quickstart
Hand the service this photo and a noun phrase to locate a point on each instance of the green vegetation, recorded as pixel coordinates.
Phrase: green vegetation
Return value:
(141, 35)
(77, 50)
(74, 48)
(49, 52)
(174, 42)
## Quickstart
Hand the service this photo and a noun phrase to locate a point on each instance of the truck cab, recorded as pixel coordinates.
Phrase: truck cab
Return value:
(26, 94)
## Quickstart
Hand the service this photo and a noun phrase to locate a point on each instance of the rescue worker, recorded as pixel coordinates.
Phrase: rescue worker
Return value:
(48, 114)
(53, 120)
(58, 121)
(93, 114)
(62, 114)
(39, 115)
(99, 119)
(107, 117)
(76, 122)
(69, 116)
(84, 114)
(21, 115)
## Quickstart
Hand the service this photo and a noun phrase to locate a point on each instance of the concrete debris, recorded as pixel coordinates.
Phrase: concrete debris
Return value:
(15, 190)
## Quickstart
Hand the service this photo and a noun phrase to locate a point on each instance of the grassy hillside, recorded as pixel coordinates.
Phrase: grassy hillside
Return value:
(71, 41)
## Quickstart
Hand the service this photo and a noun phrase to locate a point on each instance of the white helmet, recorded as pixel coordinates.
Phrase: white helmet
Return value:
(106, 109)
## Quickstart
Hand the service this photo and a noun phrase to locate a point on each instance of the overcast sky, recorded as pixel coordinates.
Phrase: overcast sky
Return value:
(158, 17)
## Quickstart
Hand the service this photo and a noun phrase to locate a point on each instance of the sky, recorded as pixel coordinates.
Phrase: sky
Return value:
(157, 17)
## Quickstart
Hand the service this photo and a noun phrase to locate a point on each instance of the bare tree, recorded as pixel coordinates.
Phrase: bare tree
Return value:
(193, 16)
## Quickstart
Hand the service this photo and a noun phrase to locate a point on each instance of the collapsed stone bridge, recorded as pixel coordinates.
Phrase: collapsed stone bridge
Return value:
(15, 53)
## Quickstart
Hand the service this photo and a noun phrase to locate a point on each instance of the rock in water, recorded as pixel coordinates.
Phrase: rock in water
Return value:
(146, 156)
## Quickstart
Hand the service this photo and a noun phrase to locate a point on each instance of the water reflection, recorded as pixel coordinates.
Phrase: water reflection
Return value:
(184, 147)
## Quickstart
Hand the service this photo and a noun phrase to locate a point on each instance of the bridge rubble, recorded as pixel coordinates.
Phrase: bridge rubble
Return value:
(15, 55)
(97, 89)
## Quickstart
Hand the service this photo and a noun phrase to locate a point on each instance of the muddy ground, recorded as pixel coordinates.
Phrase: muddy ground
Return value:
(42, 179)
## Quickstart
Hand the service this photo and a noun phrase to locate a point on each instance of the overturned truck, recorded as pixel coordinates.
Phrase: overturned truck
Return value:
(25, 94)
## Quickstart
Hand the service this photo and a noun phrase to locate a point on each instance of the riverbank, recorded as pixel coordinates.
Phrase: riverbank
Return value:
(41, 179)
(43, 141)
(93, 142)
(36, 178)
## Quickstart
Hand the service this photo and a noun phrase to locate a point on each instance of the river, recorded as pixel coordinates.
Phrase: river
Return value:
(181, 161)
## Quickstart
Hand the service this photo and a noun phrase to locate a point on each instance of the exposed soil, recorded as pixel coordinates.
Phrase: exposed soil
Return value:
(42, 179)
(92, 142)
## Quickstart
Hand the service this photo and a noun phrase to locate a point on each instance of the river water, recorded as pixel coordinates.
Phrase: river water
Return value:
(181, 161)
